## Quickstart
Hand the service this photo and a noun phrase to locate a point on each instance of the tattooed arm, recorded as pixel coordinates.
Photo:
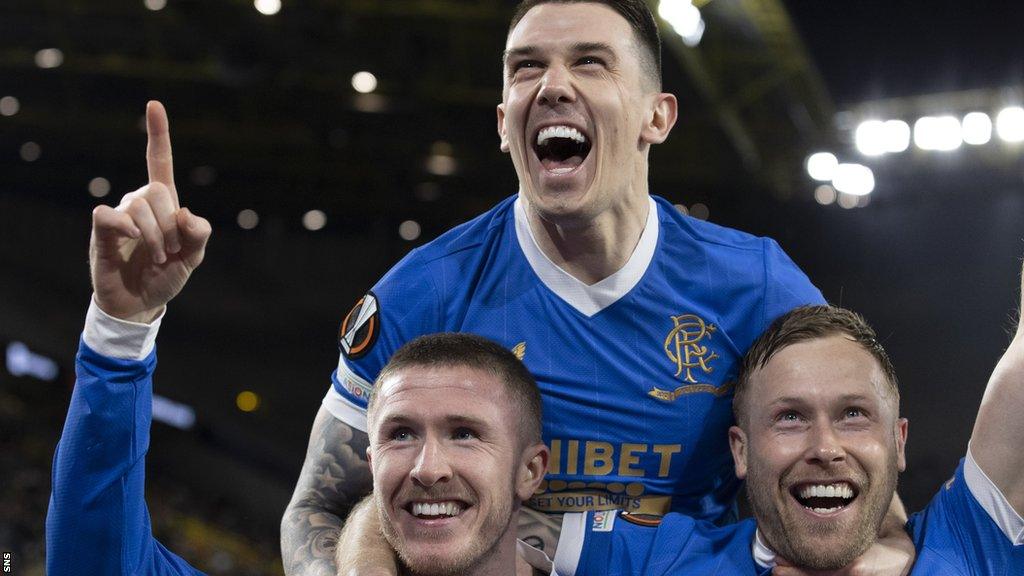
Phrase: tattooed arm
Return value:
(334, 477)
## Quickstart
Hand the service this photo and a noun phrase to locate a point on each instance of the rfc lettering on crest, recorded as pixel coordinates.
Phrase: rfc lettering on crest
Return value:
(687, 347)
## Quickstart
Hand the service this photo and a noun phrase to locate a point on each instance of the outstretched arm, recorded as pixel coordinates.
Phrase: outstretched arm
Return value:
(999, 429)
(334, 477)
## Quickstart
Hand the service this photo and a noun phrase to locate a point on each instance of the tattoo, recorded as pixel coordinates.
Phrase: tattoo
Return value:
(334, 477)
(539, 530)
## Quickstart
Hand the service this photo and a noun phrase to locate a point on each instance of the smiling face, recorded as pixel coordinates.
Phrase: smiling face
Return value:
(820, 446)
(449, 468)
(579, 111)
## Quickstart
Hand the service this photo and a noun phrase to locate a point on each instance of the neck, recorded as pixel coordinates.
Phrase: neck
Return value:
(591, 249)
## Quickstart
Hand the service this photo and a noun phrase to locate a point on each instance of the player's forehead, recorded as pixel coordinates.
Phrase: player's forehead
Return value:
(821, 371)
(437, 394)
(567, 26)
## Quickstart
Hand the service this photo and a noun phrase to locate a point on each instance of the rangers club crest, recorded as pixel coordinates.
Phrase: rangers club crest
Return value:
(360, 328)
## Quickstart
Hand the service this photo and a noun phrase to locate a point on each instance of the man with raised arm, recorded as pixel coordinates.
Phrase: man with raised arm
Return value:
(449, 477)
(631, 316)
(820, 442)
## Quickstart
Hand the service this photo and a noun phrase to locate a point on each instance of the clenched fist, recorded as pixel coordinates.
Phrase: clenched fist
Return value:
(142, 252)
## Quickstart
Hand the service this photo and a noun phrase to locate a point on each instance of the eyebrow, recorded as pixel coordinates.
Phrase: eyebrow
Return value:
(576, 48)
(800, 401)
(451, 420)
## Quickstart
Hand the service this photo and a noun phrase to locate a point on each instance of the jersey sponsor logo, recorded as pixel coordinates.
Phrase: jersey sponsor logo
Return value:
(360, 328)
(603, 521)
(585, 501)
(686, 346)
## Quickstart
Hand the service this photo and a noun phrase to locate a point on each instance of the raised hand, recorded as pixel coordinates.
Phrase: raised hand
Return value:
(142, 253)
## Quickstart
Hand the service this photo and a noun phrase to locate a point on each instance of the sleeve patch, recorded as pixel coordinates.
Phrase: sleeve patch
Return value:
(649, 520)
(360, 328)
(603, 521)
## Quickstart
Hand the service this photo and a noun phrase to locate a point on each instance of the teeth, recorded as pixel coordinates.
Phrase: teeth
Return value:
(559, 132)
(436, 509)
(838, 490)
(825, 510)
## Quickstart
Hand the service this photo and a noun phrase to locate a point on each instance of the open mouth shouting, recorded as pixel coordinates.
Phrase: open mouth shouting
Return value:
(561, 148)
(824, 498)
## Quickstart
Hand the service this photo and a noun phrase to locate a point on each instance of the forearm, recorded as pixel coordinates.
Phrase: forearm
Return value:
(97, 502)
(362, 548)
(334, 477)
(999, 430)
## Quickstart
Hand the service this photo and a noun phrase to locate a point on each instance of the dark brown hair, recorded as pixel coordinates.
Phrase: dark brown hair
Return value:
(636, 12)
(450, 349)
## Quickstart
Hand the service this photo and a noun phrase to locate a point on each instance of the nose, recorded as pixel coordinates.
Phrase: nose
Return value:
(432, 465)
(825, 447)
(556, 87)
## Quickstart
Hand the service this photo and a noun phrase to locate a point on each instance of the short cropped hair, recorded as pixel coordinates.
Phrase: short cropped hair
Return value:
(808, 323)
(640, 19)
(451, 349)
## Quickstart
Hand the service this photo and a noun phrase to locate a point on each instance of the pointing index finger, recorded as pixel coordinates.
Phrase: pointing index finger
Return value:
(158, 148)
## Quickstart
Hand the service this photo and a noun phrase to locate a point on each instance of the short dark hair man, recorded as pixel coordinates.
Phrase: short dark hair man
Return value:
(820, 442)
(454, 428)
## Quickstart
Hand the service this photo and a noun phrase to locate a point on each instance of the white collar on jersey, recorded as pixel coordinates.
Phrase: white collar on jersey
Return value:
(763, 555)
(589, 300)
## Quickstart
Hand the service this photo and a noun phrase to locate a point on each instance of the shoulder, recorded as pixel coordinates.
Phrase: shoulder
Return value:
(480, 231)
(709, 235)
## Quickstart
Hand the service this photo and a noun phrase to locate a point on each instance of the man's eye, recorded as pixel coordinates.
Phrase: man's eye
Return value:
(789, 417)
(590, 60)
(464, 434)
(853, 413)
(401, 434)
(526, 64)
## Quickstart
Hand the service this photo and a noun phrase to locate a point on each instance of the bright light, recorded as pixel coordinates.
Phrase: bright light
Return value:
(848, 201)
(314, 220)
(1010, 124)
(247, 401)
(268, 7)
(684, 18)
(700, 211)
(155, 5)
(364, 82)
(871, 138)
(942, 133)
(977, 128)
(49, 58)
(897, 136)
(854, 179)
(23, 362)
(248, 219)
(822, 165)
(30, 151)
(409, 230)
(9, 106)
(99, 187)
(825, 194)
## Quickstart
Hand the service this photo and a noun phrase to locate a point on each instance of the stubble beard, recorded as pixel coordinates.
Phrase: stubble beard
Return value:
(480, 547)
(805, 545)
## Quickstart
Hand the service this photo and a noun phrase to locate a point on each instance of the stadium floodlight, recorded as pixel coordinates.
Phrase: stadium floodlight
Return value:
(854, 179)
(870, 138)
(977, 128)
(897, 136)
(267, 7)
(940, 133)
(1010, 124)
(364, 82)
(684, 18)
(822, 166)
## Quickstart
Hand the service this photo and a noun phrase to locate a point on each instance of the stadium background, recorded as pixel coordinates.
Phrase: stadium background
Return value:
(318, 178)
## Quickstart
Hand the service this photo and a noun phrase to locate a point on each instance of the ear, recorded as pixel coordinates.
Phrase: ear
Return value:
(532, 468)
(661, 118)
(902, 425)
(738, 446)
(502, 131)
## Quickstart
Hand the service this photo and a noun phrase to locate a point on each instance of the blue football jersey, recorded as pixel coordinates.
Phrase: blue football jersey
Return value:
(636, 371)
(955, 535)
(98, 522)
